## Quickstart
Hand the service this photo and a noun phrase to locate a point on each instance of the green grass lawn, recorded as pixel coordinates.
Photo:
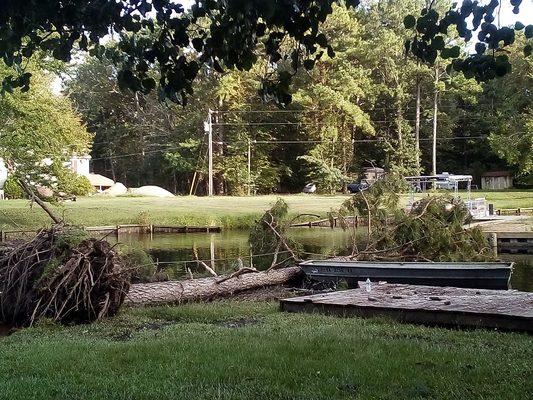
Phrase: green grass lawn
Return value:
(228, 212)
(249, 350)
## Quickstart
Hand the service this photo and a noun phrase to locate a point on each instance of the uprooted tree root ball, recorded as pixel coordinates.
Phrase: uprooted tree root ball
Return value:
(63, 275)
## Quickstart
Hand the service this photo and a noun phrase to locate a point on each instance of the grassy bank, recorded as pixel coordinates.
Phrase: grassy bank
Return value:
(228, 212)
(249, 350)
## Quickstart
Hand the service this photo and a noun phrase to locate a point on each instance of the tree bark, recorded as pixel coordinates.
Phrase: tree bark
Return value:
(41, 203)
(159, 293)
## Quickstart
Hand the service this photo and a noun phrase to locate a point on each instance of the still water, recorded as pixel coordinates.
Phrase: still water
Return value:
(174, 252)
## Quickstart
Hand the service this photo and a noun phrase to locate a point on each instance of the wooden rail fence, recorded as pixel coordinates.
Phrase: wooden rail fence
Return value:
(117, 230)
(515, 211)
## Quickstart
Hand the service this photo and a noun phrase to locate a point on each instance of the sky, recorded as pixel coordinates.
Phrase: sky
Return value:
(526, 13)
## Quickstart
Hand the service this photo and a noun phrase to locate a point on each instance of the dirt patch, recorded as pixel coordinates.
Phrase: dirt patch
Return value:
(155, 326)
(5, 330)
(269, 293)
(238, 323)
(122, 337)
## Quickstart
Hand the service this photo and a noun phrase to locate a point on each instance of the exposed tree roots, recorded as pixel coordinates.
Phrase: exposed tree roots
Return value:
(62, 276)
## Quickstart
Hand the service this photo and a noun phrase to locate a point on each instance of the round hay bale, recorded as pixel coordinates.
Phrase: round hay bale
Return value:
(151, 191)
(117, 189)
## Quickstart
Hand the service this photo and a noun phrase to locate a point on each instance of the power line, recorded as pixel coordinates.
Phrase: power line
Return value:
(295, 123)
(378, 140)
(303, 111)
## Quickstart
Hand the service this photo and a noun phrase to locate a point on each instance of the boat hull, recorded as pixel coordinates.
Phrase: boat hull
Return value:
(465, 275)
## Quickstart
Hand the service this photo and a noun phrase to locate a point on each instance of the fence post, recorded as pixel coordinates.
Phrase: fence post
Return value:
(493, 242)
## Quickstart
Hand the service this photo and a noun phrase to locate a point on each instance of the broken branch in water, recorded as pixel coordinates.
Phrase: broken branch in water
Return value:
(210, 270)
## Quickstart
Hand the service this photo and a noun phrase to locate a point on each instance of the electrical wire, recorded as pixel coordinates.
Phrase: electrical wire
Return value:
(379, 140)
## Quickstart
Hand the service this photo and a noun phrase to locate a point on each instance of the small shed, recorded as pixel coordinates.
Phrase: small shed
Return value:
(496, 180)
(372, 174)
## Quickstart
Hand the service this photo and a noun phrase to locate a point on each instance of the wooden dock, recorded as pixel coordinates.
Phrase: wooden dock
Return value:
(331, 223)
(515, 242)
(428, 305)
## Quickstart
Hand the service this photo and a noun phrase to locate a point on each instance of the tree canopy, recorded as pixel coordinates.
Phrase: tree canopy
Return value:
(226, 35)
(349, 111)
(39, 132)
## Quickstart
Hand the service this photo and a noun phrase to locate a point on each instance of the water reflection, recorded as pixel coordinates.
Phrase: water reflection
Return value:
(221, 250)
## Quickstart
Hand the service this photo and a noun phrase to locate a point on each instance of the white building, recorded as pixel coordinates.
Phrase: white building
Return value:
(81, 166)
(78, 164)
(3, 177)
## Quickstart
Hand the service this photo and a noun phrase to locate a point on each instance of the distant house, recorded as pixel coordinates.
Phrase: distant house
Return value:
(78, 164)
(496, 180)
(3, 177)
(81, 166)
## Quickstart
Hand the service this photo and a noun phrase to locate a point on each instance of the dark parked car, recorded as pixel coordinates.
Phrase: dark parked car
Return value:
(358, 187)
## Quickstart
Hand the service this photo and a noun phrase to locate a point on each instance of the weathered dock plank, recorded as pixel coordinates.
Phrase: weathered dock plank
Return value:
(515, 242)
(428, 305)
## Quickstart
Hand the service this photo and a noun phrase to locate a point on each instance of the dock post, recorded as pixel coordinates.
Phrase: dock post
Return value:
(493, 242)
(491, 209)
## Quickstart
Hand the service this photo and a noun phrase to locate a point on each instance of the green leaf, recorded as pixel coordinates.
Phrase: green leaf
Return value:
(518, 26)
(529, 31)
(148, 84)
(409, 22)
(322, 40)
(451, 52)
(198, 44)
(527, 50)
(437, 43)
(309, 64)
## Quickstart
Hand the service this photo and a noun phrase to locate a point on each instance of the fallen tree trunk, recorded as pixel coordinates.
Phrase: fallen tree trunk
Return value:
(158, 293)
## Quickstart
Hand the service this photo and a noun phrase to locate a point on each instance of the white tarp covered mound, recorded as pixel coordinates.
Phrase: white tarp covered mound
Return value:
(151, 191)
(116, 189)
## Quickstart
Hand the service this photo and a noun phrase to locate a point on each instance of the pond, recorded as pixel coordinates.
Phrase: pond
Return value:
(174, 252)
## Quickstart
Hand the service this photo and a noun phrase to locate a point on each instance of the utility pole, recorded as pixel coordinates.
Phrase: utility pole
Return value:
(208, 128)
(435, 114)
(417, 124)
(249, 166)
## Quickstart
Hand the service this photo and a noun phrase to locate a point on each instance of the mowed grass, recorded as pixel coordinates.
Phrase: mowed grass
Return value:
(224, 211)
(250, 350)
(501, 198)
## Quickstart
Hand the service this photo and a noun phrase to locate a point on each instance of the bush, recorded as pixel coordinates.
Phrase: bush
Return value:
(12, 189)
(73, 184)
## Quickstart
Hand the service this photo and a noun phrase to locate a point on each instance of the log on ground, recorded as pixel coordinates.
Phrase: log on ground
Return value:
(158, 293)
